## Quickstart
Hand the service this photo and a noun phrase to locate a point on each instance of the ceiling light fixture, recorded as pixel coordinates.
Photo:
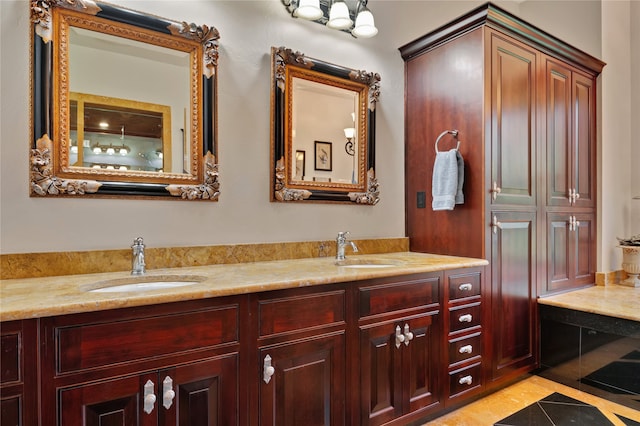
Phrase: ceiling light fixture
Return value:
(336, 14)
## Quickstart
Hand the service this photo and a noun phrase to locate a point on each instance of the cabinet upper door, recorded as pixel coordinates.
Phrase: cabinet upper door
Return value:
(513, 122)
(583, 156)
(570, 144)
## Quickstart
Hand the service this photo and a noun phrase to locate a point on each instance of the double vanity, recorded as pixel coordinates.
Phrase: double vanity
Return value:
(372, 339)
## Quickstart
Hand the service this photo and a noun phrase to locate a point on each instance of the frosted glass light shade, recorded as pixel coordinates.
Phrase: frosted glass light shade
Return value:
(349, 132)
(308, 9)
(365, 26)
(339, 18)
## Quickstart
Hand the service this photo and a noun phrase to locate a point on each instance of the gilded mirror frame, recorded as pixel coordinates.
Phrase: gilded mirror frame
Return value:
(50, 172)
(287, 65)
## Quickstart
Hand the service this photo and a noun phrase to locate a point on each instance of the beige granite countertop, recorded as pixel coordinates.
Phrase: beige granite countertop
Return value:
(47, 296)
(610, 300)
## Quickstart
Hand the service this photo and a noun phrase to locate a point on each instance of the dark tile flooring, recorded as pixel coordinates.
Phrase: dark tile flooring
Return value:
(557, 410)
(619, 377)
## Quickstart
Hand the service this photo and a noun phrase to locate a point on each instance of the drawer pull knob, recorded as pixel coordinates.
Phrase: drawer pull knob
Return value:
(465, 318)
(467, 349)
(465, 287)
(149, 397)
(408, 335)
(400, 337)
(168, 394)
(466, 380)
(268, 370)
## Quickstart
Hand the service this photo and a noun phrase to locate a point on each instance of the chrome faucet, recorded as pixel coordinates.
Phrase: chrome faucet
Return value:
(137, 261)
(341, 243)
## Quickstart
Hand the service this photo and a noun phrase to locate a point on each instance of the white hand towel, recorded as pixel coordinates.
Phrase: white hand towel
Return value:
(459, 193)
(447, 180)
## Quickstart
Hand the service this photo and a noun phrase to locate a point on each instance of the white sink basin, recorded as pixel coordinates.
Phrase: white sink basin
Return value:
(144, 283)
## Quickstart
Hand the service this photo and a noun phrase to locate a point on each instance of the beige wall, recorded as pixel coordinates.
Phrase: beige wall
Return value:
(244, 214)
(634, 217)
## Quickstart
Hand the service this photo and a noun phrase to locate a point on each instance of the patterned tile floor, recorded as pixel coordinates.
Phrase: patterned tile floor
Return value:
(537, 401)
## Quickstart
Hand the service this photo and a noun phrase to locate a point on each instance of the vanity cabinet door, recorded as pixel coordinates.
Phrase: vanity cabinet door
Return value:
(18, 381)
(306, 385)
(119, 401)
(200, 394)
(398, 368)
(180, 361)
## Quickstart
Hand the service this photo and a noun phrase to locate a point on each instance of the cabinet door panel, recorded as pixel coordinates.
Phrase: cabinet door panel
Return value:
(108, 403)
(380, 374)
(513, 302)
(421, 362)
(584, 145)
(18, 373)
(206, 393)
(584, 250)
(513, 122)
(558, 121)
(570, 252)
(307, 387)
(558, 252)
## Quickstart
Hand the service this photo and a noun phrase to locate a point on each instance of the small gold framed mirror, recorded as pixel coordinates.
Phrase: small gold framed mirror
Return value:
(124, 103)
(323, 131)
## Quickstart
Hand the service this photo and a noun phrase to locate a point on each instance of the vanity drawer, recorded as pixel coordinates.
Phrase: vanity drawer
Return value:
(86, 345)
(464, 380)
(301, 311)
(464, 348)
(386, 298)
(462, 317)
(464, 285)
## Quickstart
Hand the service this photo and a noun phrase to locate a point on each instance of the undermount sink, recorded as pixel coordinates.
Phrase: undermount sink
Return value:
(144, 283)
(363, 264)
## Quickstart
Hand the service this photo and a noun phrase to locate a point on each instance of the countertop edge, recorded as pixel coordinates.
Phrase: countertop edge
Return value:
(17, 301)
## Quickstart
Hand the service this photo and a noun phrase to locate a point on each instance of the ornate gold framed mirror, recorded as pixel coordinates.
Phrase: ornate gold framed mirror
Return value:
(323, 131)
(124, 103)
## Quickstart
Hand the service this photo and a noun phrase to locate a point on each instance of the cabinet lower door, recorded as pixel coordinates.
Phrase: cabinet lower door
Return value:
(570, 251)
(204, 393)
(396, 380)
(307, 384)
(513, 292)
(110, 402)
(380, 374)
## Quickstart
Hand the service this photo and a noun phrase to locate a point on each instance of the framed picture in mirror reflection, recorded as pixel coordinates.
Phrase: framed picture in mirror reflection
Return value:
(323, 156)
(300, 164)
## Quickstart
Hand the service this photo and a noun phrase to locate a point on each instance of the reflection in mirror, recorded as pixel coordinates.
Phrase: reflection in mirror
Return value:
(323, 131)
(118, 134)
(123, 103)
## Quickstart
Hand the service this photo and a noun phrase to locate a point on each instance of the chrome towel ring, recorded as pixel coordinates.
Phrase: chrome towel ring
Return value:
(453, 133)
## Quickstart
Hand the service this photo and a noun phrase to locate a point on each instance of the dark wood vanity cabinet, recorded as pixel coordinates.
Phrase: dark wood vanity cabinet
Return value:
(174, 364)
(384, 351)
(18, 373)
(400, 347)
(301, 360)
(523, 103)
(465, 334)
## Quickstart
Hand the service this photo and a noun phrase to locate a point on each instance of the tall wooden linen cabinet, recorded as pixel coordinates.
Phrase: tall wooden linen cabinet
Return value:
(524, 106)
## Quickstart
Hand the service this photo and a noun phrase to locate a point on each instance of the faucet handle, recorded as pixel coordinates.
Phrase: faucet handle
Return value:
(138, 241)
(343, 235)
